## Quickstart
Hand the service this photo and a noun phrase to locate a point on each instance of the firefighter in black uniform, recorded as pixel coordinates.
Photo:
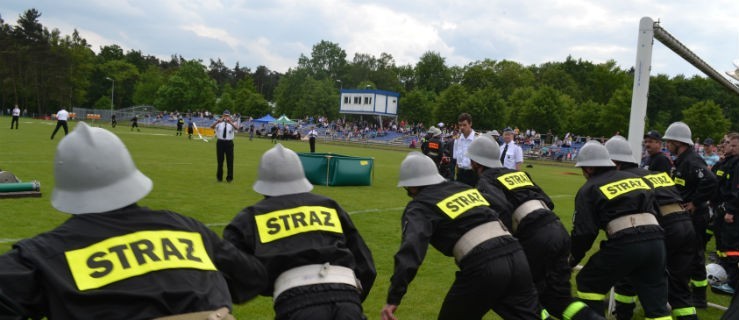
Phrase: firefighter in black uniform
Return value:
(180, 124)
(319, 266)
(439, 151)
(727, 219)
(113, 259)
(655, 160)
(543, 237)
(697, 185)
(679, 236)
(457, 220)
(622, 204)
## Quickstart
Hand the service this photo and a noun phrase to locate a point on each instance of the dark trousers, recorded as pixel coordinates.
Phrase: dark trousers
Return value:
(467, 176)
(502, 283)
(14, 121)
(312, 142)
(225, 149)
(62, 124)
(698, 266)
(319, 302)
(640, 263)
(680, 241)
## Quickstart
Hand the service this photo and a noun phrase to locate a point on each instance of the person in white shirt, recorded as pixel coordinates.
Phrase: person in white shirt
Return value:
(465, 174)
(511, 154)
(61, 121)
(225, 129)
(16, 115)
(312, 138)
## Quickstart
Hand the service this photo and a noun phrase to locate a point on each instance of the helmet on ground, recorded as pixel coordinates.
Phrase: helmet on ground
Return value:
(280, 173)
(620, 150)
(594, 154)
(418, 170)
(485, 151)
(95, 173)
(8, 177)
(678, 131)
(716, 274)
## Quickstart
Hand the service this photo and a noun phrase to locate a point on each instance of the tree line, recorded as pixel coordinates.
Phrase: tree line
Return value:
(42, 70)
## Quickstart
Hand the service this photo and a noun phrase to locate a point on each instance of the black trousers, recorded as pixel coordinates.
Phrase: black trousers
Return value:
(485, 281)
(467, 176)
(698, 265)
(14, 121)
(62, 124)
(225, 150)
(319, 302)
(640, 263)
(312, 142)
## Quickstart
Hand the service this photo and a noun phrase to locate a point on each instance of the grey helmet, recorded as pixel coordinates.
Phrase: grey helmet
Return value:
(280, 173)
(418, 170)
(485, 151)
(434, 131)
(594, 154)
(678, 131)
(620, 150)
(94, 172)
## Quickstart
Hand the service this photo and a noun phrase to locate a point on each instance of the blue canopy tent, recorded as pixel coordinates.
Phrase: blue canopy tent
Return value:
(266, 119)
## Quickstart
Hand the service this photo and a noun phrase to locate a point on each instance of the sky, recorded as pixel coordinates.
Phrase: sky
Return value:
(274, 33)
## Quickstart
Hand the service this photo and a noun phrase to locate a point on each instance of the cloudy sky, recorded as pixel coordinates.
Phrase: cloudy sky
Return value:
(274, 33)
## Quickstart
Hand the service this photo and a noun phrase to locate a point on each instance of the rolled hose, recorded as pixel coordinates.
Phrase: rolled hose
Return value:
(20, 186)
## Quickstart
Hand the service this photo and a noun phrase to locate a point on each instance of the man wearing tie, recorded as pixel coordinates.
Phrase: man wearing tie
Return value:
(312, 138)
(225, 129)
(512, 155)
(465, 174)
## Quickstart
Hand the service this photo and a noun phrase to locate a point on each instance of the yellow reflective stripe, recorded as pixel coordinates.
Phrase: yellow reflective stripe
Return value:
(709, 232)
(659, 318)
(680, 181)
(591, 296)
(515, 180)
(681, 312)
(134, 254)
(544, 314)
(284, 223)
(660, 180)
(699, 283)
(719, 173)
(624, 298)
(460, 202)
(573, 309)
(615, 189)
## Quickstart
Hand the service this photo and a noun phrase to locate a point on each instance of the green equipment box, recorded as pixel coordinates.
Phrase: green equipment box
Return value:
(330, 169)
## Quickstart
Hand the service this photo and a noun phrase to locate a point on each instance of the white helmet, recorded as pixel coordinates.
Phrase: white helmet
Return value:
(418, 170)
(434, 131)
(594, 154)
(95, 173)
(280, 173)
(678, 131)
(716, 274)
(620, 150)
(485, 151)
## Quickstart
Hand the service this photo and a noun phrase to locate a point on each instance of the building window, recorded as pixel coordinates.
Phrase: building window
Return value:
(367, 100)
(357, 100)
(346, 100)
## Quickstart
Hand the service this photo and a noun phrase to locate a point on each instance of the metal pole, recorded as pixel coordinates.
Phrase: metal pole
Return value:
(112, 95)
(641, 85)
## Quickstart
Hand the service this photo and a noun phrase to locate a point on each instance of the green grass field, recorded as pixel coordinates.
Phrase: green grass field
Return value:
(183, 172)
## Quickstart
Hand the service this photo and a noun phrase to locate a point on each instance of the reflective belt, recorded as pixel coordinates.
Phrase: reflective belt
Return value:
(591, 296)
(670, 208)
(220, 314)
(477, 235)
(630, 221)
(313, 274)
(524, 209)
(681, 312)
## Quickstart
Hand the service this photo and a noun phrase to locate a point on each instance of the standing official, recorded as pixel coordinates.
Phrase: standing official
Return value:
(457, 220)
(225, 129)
(312, 134)
(319, 267)
(530, 218)
(655, 160)
(679, 236)
(512, 155)
(16, 113)
(113, 259)
(180, 124)
(697, 185)
(465, 174)
(61, 122)
(622, 204)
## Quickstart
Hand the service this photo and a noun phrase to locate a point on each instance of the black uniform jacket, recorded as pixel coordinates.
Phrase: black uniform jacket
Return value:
(604, 197)
(665, 192)
(518, 187)
(439, 214)
(294, 230)
(692, 178)
(727, 175)
(658, 163)
(132, 263)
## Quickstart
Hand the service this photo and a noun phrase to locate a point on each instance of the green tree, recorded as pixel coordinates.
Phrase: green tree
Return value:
(432, 74)
(417, 106)
(450, 104)
(545, 110)
(327, 60)
(145, 90)
(188, 88)
(584, 119)
(487, 107)
(614, 117)
(706, 120)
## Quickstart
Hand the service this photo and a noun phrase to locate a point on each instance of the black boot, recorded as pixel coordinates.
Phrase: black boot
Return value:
(699, 297)
(624, 311)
